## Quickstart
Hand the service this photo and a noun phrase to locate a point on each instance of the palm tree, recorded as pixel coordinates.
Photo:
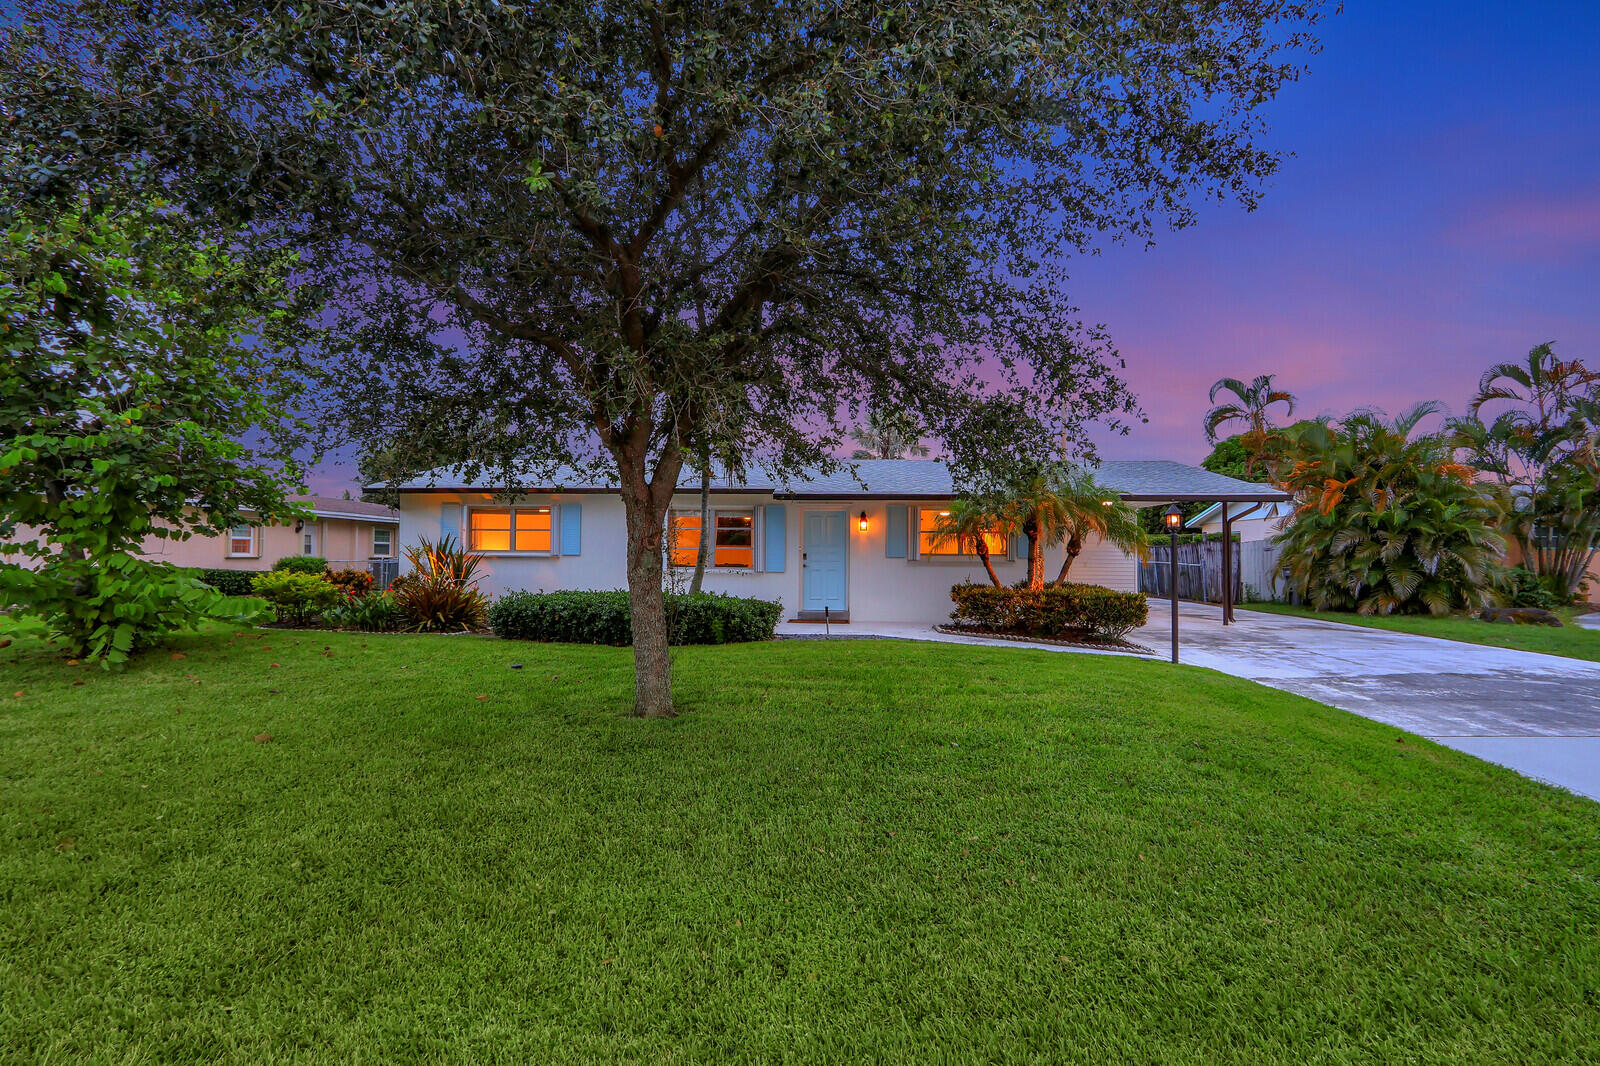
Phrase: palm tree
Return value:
(1091, 509)
(1388, 521)
(888, 435)
(971, 521)
(1250, 406)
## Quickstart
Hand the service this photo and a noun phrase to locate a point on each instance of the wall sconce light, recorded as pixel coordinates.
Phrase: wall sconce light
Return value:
(299, 524)
(862, 523)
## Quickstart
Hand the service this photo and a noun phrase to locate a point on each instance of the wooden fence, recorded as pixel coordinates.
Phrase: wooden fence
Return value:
(1256, 572)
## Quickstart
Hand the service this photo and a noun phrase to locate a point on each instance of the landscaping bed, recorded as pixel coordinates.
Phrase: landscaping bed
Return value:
(273, 847)
(1064, 642)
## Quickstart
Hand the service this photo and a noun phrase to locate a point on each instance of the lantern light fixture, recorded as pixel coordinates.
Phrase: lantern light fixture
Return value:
(1174, 518)
(862, 524)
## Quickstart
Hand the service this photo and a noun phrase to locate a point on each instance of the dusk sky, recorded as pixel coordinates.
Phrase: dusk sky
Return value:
(1440, 212)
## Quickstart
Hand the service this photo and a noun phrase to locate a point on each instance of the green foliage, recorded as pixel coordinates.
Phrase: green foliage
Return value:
(1059, 612)
(112, 607)
(1252, 406)
(301, 597)
(301, 564)
(135, 359)
(1388, 522)
(440, 593)
(379, 612)
(1520, 587)
(229, 582)
(1230, 458)
(351, 581)
(582, 617)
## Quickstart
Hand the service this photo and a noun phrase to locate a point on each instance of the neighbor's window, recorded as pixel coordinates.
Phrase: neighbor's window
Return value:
(503, 529)
(734, 546)
(932, 541)
(382, 542)
(242, 540)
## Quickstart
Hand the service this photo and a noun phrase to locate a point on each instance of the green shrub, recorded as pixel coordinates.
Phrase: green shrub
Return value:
(112, 607)
(439, 594)
(378, 613)
(301, 564)
(584, 617)
(352, 582)
(299, 597)
(1521, 587)
(229, 582)
(1061, 611)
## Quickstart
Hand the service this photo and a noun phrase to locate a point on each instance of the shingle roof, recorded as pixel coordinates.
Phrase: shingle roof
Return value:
(333, 507)
(1140, 481)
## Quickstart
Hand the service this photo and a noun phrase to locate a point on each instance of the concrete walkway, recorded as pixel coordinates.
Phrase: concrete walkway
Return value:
(1537, 714)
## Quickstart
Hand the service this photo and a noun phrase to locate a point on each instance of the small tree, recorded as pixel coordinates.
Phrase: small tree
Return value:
(889, 435)
(1540, 450)
(1089, 509)
(137, 355)
(971, 522)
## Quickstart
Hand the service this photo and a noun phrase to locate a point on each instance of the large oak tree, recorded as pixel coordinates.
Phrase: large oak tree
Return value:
(623, 232)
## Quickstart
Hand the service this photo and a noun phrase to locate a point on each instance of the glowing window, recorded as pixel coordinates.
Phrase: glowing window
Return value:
(242, 540)
(933, 540)
(733, 546)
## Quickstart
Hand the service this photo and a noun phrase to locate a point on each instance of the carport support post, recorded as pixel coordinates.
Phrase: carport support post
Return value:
(1227, 568)
(1174, 565)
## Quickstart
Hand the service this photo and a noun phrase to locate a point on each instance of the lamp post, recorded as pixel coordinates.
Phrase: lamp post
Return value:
(1174, 519)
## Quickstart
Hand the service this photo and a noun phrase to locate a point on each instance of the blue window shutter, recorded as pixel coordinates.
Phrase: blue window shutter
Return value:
(894, 546)
(774, 544)
(571, 529)
(450, 521)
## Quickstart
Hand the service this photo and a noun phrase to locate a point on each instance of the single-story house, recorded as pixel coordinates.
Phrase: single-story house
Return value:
(348, 533)
(826, 544)
(1261, 521)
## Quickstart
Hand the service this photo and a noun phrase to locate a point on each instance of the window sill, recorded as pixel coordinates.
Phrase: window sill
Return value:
(509, 554)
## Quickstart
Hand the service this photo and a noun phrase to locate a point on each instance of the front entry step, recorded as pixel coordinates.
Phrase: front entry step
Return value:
(817, 616)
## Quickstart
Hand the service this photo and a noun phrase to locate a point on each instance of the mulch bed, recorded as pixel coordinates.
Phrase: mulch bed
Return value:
(1064, 642)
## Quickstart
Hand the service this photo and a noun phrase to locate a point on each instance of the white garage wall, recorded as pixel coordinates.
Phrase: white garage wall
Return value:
(880, 589)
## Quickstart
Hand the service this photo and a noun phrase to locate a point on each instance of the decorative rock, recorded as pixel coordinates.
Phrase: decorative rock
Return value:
(1521, 616)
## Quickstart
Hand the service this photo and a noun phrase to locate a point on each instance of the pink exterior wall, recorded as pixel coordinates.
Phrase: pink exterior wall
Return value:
(342, 542)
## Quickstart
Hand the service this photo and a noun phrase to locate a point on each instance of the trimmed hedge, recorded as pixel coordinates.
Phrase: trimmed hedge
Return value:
(605, 618)
(230, 582)
(301, 564)
(1060, 612)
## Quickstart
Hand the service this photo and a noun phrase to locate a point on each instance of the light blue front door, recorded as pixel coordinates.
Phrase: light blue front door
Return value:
(824, 577)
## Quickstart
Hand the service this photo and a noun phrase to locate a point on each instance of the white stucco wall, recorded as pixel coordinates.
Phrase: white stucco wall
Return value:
(880, 589)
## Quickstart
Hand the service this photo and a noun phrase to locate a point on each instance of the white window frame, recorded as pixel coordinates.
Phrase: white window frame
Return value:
(711, 562)
(255, 542)
(512, 512)
(956, 554)
(387, 531)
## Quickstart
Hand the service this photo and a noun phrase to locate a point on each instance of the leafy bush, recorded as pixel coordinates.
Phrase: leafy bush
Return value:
(1521, 587)
(439, 595)
(301, 564)
(378, 613)
(606, 618)
(352, 582)
(1058, 611)
(229, 582)
(110, 608)
(300, 596)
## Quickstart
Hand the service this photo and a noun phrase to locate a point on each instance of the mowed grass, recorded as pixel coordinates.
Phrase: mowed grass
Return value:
(1571, 641)
(840, 852)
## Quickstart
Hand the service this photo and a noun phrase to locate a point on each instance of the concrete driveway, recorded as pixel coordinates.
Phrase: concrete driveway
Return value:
(1537, 714)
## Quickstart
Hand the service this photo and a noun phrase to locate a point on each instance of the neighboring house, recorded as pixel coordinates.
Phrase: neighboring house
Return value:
(348, 533)
(1258, 522)
(864, 549)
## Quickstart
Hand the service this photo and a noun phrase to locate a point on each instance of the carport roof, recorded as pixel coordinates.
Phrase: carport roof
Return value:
(1137, 481)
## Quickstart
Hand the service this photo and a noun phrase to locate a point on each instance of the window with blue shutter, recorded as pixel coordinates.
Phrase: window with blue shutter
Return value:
(894, 546)
(774, 534)
(571, 529)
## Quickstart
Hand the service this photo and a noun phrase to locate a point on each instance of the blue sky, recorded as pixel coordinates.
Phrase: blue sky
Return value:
(1441, 213)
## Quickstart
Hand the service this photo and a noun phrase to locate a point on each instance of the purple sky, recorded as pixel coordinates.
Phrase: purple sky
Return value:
(1441, 213)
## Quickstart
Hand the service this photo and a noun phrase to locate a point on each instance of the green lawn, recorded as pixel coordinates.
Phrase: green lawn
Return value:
(846, 852)
(1570, 640)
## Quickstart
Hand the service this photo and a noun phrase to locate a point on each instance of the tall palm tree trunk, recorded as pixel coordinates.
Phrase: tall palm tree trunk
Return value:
(1074, 549)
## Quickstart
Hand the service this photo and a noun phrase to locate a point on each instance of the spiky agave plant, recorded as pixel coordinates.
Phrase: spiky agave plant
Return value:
(1388, 522)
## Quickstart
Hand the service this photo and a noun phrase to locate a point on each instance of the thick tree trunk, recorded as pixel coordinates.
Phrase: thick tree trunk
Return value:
(1035, 555)
(1074, 549)
(652, 662)
(706, 532)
